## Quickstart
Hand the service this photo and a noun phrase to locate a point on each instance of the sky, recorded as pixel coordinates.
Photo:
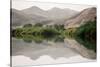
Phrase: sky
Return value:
(23, 4)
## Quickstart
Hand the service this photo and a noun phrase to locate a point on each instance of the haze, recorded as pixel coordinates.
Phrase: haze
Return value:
(22, 4)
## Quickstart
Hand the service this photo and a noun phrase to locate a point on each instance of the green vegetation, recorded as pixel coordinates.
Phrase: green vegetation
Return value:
(38, 33)
(38, 25)
(70, 32)
(85, 34)
(37, 29)
(27, 25)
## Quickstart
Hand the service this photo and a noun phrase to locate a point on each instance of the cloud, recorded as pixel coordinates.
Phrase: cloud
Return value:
(23, 4)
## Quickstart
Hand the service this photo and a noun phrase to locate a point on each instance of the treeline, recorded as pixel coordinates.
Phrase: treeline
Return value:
(38, 32)
(86, 35)
(39, 29)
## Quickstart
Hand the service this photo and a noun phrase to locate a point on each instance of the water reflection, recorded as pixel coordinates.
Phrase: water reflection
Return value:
(63, 48)
(35, 50)
(40, 39)
(81, 49)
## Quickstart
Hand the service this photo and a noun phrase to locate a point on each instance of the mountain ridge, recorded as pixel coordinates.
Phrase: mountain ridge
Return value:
(20, 18)
(84, 16)
(53, 13)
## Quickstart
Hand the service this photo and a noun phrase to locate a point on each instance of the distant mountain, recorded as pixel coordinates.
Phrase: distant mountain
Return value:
(68, 17)
(57, 13)
(19, 18)
(88, 14)
(34, 10)
(36, 15)
(54, 13)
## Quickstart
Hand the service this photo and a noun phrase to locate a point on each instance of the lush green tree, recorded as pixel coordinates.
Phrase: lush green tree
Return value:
(38, 25)
(27, 25)
(86, 35)
(59, 27)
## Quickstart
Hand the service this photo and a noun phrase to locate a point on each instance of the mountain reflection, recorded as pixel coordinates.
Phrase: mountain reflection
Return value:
(64, 48)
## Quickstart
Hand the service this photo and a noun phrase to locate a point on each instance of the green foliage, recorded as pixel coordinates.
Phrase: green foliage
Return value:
(87, 43)
(87, 30)
(86, 35)
(38, 33)
(38, 25)
(59, 27)
(70, 32)
(17, 32)
(38, 30)
(27, 25)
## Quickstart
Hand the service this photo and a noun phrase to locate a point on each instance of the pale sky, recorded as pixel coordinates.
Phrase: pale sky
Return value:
(22, 4)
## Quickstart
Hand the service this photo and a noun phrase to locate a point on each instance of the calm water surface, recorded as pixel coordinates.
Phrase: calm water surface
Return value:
(28, 52)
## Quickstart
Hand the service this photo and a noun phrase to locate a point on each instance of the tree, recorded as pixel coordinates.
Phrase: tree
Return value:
(59, 27)
(27, 25)
(38, 25)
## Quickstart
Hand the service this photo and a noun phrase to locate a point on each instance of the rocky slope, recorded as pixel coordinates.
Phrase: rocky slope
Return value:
(88, 14)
